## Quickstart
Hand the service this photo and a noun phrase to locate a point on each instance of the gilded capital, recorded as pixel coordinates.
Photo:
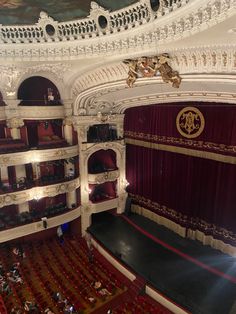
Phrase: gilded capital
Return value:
(15, 123)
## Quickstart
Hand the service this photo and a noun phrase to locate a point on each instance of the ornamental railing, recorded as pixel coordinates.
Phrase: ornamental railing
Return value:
(100, 22)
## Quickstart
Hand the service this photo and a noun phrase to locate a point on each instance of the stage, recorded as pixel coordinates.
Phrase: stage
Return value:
(196, 277)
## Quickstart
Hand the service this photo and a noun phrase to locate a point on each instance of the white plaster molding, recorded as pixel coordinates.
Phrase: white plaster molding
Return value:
(38, 192)
(88, 149)
(214, 59)
(32, 156)
(11, 76)
(81, 38)
(41, 112)
(207, 87)
(17, 232)
(107, 176)
(103, 206)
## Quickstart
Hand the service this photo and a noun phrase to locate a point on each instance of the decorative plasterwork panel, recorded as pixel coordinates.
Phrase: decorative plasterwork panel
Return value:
(105, 74)
(93, 89)
(38, 192)
(12, 76)
(41, 112)
(33, 156)
(90, 148)
(97, 119)
(108, 176)
(102, 206)
(15, 123)
(27, 229)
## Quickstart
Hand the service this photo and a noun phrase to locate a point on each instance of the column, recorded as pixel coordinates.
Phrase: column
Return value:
(85, 218)
(14, 124)
(36, 170)
(70, 199)
(69, 168)
(4, 174)
(68, 124)
(68, 105)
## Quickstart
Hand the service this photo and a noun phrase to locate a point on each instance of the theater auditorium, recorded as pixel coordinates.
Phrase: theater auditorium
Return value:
(118, 157)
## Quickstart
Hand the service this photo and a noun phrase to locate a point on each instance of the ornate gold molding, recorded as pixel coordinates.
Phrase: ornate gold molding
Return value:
(150, 67)
(38, 192)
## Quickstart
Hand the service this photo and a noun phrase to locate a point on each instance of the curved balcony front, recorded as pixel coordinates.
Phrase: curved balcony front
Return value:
(38, 192)
(20, 231)
(37, 155)
(104, 205)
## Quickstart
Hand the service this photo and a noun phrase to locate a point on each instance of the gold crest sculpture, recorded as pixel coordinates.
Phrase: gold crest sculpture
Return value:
(151, 66)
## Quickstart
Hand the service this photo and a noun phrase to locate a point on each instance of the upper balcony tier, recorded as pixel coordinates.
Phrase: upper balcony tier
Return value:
(99, 22)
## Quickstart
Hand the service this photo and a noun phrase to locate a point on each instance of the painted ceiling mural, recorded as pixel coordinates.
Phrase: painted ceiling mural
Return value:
(21, 12)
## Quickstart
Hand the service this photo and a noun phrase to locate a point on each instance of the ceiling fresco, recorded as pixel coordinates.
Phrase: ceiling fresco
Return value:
(21, 12)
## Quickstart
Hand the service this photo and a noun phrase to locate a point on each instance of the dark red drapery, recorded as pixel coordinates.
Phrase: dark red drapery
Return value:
(195, 192)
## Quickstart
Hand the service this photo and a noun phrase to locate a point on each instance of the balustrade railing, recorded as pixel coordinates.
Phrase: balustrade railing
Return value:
(49, 30)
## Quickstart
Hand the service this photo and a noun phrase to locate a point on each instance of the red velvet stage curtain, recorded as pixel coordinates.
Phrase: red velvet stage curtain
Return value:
(220, 121)
(196, 187)
(200, 191)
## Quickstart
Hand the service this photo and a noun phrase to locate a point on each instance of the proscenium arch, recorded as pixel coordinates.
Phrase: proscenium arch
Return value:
(198, 87)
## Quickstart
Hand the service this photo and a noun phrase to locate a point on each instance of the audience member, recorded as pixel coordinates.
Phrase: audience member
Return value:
(60, 234)
(48, 311)
(16, 310)
(5, 287)
(30, 307)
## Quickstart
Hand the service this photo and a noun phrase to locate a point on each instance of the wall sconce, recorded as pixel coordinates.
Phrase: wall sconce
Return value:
(88, 190)
(125, 183)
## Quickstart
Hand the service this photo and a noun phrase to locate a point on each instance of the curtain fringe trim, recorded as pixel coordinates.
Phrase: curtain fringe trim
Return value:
(189, 233)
